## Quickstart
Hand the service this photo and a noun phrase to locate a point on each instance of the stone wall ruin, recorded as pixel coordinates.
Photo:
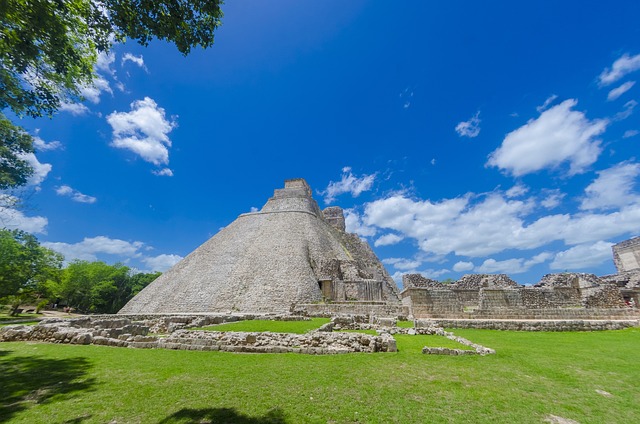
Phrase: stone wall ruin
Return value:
(484, 296)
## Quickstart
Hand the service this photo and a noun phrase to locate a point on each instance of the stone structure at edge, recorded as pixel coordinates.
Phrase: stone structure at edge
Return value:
(564, 296)
(288, 257)
(626, 255)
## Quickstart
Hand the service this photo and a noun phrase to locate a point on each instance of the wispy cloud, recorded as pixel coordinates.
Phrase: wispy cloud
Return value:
(104, 62)
(74, 194)
(75, 109)
(93, 91)
(516, 191)
(614, 188)
(544, 106)
(42, 146)
(349, 183)
(470, 128)
(629, 107)
(623, 66)
(619, 91)
(40, 170)
(137, 60)
(164, 172)
(513, 266)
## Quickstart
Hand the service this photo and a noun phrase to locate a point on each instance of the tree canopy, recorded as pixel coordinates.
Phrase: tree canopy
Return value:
(49, 49)
(31, 274)
(98, 287)
(24, 263)
(16, 144)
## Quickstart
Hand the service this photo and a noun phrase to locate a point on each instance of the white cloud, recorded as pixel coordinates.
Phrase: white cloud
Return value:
(509, 266)
(40, 170)
(627, 112)
(12, 218)
(621, 67)
(583, 256)
(552, 199)
(613, 188)
(143, 131)
(552, 98)
(348, 184)
(479, 226)
(558, 135)
(462, 266)
(470, 128)
(619, 91)
(512, 266)
(254, 209)
(402, 264)
(76, 109)
(630, 133)
(64, 190)
(353, 224)
(516, 191)
(166, 172)
(388, 240)
(75, 195)
(93, 91)
(89, 248)
(42, 146)
(104, 62)
(138, 60)
(161, 262)
(433, 273)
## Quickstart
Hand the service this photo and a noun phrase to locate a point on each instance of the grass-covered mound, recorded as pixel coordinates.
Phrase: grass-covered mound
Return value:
(532, 376)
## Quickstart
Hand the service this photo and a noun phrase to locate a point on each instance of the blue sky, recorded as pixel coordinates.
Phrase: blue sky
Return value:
(459, 136)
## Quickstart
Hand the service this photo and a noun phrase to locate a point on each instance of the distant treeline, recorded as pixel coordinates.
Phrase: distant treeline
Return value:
(31, 274)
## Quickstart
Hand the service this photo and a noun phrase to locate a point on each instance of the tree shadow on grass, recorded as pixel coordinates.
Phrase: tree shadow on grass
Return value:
(223, 415)
(30, 380)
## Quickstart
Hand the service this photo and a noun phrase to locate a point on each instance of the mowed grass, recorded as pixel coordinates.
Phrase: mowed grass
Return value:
(6, 317)
(533, 375)
(297, 327)
(2, 324)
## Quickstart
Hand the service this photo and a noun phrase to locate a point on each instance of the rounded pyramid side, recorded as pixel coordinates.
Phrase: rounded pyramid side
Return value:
(262, 262)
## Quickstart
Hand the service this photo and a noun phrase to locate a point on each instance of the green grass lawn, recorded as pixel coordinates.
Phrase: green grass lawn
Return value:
(531, 376)
(404, 324)
(7, 317)
(298, 327)
(3, 324)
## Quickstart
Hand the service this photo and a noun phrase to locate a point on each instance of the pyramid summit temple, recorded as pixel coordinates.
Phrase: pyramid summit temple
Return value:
(288, 255)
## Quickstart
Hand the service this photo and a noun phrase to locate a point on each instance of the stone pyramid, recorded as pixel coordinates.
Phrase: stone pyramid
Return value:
(287, 254)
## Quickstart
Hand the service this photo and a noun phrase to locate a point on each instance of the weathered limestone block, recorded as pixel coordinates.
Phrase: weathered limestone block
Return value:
(626, 255)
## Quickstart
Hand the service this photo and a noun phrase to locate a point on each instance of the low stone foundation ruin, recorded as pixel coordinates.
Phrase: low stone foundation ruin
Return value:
(567, 296)
(118, 331)
(537, 325)
(123, 332)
